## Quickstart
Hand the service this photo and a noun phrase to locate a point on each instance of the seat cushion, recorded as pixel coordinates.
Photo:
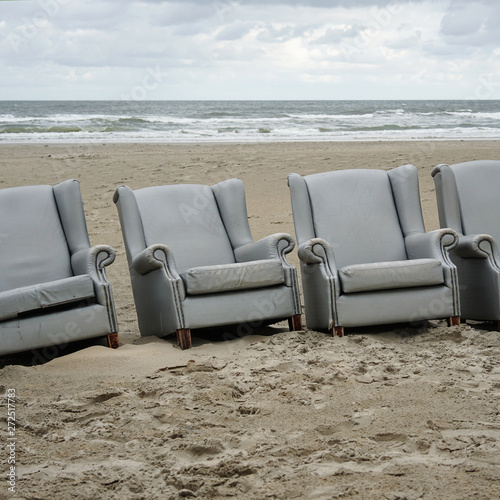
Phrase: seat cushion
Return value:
(53, 293)
(238, 276)
(387, 275)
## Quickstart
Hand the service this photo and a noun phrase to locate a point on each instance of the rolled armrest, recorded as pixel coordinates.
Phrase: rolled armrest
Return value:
(90, 260)
(321, 267)
(155, 257)
(476, 246)
(432, 245)
(274, 246)
(436, 245)
(317, 250)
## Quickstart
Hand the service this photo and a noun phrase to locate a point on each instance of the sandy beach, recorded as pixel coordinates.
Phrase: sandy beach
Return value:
(397, 412)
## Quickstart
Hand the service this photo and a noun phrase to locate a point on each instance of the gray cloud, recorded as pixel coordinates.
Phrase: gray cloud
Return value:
(408, 41)
(212, 48)
(234, 31)
(464, 21)
(270, 33)
(175, 13)
(337, 35)
(293, 3)
(471, 24)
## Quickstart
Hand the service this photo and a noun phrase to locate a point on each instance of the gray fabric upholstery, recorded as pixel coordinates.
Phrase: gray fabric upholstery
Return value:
(354, 211)
(47, 261)
(30, 214)
(193, 262)
(181, 217)
(387, 275)
(471, 201)
(70, 209)
(53, 329)
(51, 294)
(238, 276)
(409, 305)
(406, 192)
(257, 307)
(231, 202)
(467, 199)
(365, 256)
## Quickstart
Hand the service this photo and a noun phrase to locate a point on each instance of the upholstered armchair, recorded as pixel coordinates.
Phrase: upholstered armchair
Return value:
(365, 256)
(468, 202)
(193, 262)
(53, 286)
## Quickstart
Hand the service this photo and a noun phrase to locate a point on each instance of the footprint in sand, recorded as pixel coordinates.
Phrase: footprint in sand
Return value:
(201, 451)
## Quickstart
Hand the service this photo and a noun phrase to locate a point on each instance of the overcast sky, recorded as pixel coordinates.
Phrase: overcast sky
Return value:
(249, 49)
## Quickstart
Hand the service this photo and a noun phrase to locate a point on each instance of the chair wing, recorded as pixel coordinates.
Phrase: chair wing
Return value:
(193, 262)
(467, 199)
(53, 287)
(365, 256)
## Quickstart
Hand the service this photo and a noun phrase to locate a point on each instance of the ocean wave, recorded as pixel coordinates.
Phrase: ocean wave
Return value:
(476, 116)
(382, 128)
(217, 114)
(246, 121)
(18, 129)
(390, 112)
(62, 129)
(227, 130)
(334, 116)
(133, 120)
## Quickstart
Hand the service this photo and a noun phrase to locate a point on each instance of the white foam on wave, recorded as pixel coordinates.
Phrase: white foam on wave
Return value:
(253, 135)
(242, 121)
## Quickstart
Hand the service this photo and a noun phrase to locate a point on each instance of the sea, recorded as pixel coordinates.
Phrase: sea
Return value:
(246, 121)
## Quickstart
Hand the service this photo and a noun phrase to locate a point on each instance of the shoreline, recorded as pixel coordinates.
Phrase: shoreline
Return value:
(249, 142)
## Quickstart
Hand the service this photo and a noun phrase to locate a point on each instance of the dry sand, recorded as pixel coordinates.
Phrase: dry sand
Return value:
(396, 412)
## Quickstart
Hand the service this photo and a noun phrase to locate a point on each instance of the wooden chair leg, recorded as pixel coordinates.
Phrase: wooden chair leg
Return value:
(498, 326)
(338, 331)
(295, 323)
(454, 321)
(113, 341)
(184, 338)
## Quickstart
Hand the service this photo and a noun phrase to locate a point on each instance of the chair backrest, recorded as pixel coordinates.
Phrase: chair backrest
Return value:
(186, 218)
(478, 189)
(33, 247)
(354, 211)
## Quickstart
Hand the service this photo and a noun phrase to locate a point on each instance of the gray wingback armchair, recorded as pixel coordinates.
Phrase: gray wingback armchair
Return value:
(53, 286)
(365, 256)
(193, 262)
(468, 202)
